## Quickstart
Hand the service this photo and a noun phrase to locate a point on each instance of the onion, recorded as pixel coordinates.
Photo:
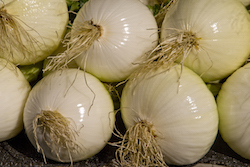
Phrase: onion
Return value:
(14, 92)
(211, 37)
(233, 106)
(108, 37)
(69, 116)
(167, 119)
(31, 29)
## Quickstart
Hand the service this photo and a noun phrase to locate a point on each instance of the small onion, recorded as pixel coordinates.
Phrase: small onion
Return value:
(69, 115)
(14, 91)
(234, 111)
(168, 116)
(31, 30)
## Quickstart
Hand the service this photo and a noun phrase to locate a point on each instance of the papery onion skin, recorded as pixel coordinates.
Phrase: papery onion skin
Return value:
(183, 115)
(44, 20)
(222, 28)
(128, 30)
(14, 91)
(66, 92)
(234, 111)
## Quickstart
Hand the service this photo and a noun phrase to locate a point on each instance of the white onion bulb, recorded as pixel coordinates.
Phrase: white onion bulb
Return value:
(14, 91)
(215, 35)
(128, 30)
(77, 103)
(31, 29)
(182, 115)
(233, 105)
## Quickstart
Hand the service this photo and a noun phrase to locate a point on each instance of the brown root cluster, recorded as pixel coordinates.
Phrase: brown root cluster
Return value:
(57, 133)
(139, 147)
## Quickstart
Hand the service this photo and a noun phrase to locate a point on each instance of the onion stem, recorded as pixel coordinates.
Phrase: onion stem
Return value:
(139, 147)
(57, 133)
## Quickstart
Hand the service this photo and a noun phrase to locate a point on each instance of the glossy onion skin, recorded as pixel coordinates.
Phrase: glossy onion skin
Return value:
(185, 123)
(233, 106)
(66, 92)
(223, 27)
(14, 91)
(128, 31)
(44, 20)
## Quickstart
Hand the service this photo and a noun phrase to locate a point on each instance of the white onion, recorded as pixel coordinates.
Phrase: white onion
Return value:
(31, 29)
(182, 116)
(14, 91)
(78, 100)
(212, 37)
(119, 33)
(128, 31)
(233, 106)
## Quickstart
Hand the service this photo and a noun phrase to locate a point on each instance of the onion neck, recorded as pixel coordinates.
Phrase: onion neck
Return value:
(57, 133)
(139, 147)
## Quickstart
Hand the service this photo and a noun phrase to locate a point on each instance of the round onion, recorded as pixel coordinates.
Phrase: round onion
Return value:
(69, 115)
(210, 37)
(109, 37)
(163, 114)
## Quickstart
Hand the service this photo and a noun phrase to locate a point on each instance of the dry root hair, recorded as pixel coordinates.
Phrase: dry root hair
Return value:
(58, 133)
(139, 147)
(79, 39)
(176, 46)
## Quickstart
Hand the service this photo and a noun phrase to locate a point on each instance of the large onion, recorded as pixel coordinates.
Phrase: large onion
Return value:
(167, 120)
(211, 37)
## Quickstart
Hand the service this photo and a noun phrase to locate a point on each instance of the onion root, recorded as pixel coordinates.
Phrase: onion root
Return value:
(57, 133)
(83, 36)
(139, 147)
